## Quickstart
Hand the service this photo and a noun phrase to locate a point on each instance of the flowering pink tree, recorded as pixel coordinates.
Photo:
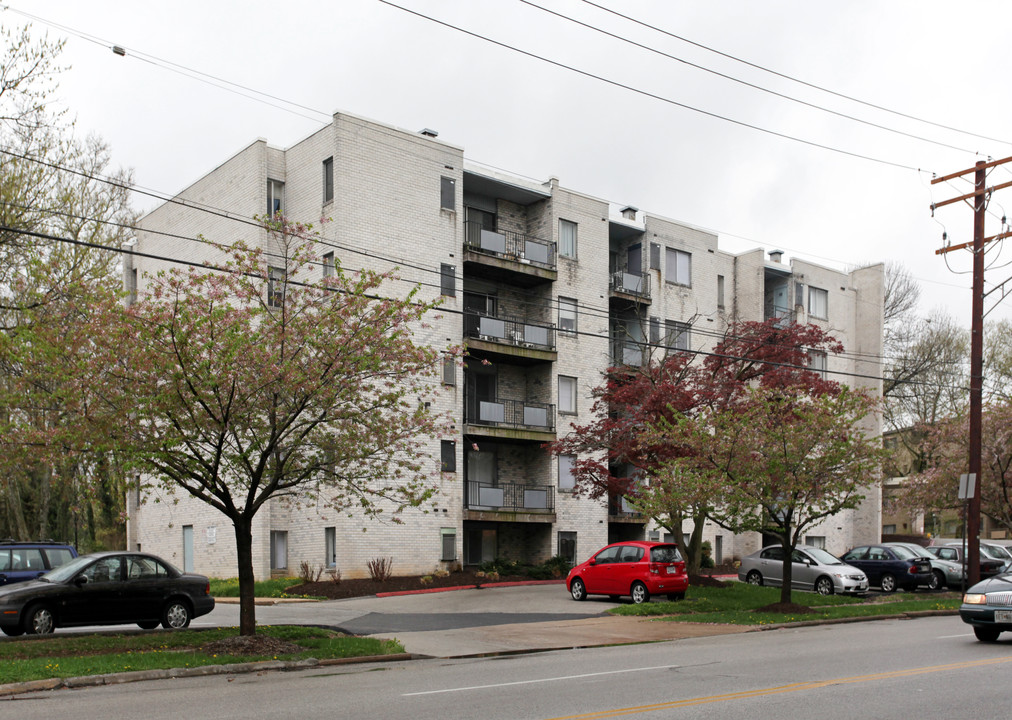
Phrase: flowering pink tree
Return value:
(254, 380)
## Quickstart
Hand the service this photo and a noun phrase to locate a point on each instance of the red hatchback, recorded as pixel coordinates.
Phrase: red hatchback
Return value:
(635, 568)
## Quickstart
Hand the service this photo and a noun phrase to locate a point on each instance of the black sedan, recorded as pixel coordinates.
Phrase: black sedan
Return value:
(109, 588)
(890, 567)
(987, 606)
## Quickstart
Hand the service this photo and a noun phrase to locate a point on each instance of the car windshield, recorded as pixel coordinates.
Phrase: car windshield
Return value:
(995, 552)
(665, 554)
(905, 553)
(822, 557)
(65, 572)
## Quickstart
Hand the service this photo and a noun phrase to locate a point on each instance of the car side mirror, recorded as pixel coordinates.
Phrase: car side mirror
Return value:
(81, 580)
(592, 561)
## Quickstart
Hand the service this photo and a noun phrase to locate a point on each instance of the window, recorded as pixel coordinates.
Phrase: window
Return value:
(330, 547)
(676, 335)
(279, 549)
(449, 370)
(448, 456)
(818, 541)
(567, 315)
(187, 548)
(818, 302)
(678, 267)
(655, 256)
(275, 197)
(328, 179)
(447, 280)
(447, 193)
(567, 481)
(817, 362)
(720, 291)
(655, 331)
(567, 394)
(567, 547)
(328, 265)
(448, 544)
(567, 238)
(275, 287)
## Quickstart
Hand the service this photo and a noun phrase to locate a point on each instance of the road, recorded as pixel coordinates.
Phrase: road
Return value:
(928, 667)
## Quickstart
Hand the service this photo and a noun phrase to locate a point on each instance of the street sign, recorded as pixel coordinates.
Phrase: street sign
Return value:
(967, 485)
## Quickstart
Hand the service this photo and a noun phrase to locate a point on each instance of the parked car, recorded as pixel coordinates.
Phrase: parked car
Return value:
(890, 567)
(635, 568)
(812, 568)
(955, 553)
(21, 561)
(944, 573)
(108, 588)
(987, 606)
(998, 552)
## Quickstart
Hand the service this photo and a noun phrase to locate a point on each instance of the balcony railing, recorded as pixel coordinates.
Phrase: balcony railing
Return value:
(508, 496)
(619, 506)
(509, 331)
(630, 284)
(510, 414)
(509, 245)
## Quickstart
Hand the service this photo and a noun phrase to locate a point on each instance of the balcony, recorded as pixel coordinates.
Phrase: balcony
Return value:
(631, 287)
(621, 510)
(629, 354)
(511, 338)
(509, 497)
(508, 256)
(510, 419)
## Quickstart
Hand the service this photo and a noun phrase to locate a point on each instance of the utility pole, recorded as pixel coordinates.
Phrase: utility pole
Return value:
(980, 195)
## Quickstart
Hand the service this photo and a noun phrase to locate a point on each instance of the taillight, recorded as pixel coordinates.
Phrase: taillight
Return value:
(207, 588)
(655, 568)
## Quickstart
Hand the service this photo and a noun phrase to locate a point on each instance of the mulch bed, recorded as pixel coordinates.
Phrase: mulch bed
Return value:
(359, 587)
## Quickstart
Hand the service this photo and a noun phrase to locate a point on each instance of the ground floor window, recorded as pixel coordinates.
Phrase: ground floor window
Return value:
(567, 547)
(330, 546)
(448, 544)
(187, 548)
(818, 541)
(279, 549)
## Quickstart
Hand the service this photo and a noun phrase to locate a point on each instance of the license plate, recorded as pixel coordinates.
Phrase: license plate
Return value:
(1003, 616)
(671, 570)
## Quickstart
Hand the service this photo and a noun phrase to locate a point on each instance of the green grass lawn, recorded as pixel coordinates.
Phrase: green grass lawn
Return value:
(54, 656)
(737, 604)
(273, 588)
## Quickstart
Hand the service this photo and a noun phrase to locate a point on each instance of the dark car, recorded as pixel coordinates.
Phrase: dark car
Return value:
(21, 561)
(890, 567)
(109, 588)
(987, 606)
(636, 568)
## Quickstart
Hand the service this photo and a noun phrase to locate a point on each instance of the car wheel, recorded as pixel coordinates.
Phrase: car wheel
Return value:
(39, 621)
(824, 586)
(639, 593)
(754, 577)
(578, 590)
(888, 583)
(176, 615)
(12, 630)
(675, 597)
(937, 581)
(986, 634)
(148, 625)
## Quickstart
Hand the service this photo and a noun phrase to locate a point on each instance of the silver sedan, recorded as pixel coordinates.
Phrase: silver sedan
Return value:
(812, 569)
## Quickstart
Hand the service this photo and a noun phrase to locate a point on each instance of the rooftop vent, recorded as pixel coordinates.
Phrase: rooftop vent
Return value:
(775, 255)
(427, 132)
(629, 212)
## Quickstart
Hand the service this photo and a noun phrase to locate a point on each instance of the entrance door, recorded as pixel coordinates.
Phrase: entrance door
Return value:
(479, 546)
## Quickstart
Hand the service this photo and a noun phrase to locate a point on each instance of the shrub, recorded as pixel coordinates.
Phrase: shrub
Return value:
(425, 580)
(335, 576)
(308, 573)
(441, 573)
(380, 569)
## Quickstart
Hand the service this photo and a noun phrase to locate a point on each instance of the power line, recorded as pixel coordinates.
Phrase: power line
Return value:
(645, 93)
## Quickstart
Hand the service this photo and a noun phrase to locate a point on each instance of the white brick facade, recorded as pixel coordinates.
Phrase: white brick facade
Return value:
(388, 209)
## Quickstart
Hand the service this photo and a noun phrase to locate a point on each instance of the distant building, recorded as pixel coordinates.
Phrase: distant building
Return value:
(550, 286)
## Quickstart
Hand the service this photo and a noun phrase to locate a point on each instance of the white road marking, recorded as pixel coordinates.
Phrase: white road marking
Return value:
(541, 680)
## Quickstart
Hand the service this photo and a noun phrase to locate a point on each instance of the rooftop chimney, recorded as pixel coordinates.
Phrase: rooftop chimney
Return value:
(629, 212)
(429, 133)
(775, 255)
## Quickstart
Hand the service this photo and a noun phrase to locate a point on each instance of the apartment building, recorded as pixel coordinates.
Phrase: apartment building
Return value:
(547, 286)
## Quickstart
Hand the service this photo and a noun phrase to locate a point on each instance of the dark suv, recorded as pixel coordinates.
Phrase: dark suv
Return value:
(20, 561)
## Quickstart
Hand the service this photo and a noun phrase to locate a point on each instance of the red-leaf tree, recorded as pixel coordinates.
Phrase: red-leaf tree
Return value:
(619, 455)
(944, 447)
(782, 458)
(248, 382)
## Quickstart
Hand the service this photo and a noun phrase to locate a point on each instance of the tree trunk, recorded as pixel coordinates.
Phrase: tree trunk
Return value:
(788, 573)
(696, 545)
(244, 559)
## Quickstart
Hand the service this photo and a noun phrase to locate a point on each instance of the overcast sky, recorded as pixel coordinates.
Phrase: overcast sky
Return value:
(865, 200)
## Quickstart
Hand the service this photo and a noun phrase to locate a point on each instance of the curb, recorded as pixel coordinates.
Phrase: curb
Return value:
(201, 671)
